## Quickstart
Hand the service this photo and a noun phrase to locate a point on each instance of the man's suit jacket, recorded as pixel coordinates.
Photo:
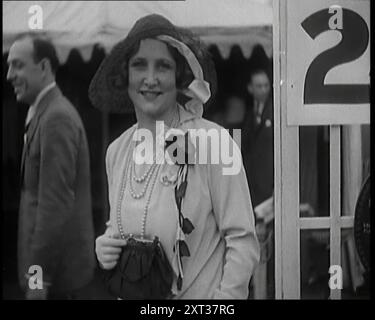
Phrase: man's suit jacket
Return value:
(257, 149)
(55, 219)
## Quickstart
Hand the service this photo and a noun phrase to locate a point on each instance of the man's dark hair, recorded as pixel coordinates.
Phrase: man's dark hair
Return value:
(258, 71)
(43, 49)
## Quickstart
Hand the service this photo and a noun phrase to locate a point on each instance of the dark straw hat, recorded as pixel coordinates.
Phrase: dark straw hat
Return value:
(108, 90)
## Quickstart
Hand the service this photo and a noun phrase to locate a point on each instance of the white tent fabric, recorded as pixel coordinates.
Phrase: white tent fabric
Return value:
(82, 24)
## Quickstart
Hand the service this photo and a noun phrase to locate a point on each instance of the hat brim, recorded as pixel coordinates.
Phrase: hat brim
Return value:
(108, 91)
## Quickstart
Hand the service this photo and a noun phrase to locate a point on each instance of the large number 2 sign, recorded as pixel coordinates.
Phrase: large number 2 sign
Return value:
(354, 42)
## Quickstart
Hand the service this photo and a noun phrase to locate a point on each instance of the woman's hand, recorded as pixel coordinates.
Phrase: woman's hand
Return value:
(108, 249)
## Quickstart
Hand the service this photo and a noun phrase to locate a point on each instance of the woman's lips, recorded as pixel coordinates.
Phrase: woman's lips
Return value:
(150, 95)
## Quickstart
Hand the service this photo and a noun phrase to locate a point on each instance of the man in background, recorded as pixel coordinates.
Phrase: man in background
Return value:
(258, 137)
(257, 150)
(55, 218)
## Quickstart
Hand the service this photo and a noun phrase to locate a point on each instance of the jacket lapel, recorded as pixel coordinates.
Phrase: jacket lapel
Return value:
(265, 115)
(30, 132)
(23, 162)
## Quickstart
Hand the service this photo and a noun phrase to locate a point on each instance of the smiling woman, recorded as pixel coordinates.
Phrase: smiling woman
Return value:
(152, 82)
(176, 230)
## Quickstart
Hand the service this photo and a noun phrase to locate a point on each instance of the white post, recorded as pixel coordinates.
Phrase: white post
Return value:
(277, 148)
(335, 201)
(287, 232)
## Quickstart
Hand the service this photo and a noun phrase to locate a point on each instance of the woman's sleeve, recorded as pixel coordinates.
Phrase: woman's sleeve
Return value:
(233, 211)
(108, 165)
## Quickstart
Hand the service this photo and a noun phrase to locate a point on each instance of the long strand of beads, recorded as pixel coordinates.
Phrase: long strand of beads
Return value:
(127, 168)
(143, 177)
(121, 195)
(143, 191)
(145, 211)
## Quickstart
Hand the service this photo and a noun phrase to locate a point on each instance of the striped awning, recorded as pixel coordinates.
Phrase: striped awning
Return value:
(83, 24)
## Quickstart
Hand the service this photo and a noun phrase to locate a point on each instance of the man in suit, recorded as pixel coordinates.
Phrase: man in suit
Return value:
(258, 137)
(257, 148)
(55, 217)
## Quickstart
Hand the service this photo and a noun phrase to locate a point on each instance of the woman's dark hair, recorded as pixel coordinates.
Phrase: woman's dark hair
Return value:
(184, 75)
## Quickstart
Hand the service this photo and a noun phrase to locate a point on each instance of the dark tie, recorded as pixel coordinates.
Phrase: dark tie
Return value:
(30, 115)
(25, 136)
(258, 115)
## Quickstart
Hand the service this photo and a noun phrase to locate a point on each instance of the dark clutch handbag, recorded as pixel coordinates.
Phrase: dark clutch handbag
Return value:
(142, 272)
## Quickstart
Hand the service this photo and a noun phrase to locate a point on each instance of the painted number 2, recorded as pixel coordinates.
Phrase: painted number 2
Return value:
(354, 42)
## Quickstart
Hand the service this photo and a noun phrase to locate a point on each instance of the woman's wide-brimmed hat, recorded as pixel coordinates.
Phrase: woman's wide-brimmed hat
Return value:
(108, 91)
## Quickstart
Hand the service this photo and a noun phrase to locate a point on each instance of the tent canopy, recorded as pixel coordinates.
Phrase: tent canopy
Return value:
(83, 24)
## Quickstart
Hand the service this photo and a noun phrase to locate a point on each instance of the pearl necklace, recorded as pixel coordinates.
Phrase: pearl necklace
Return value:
(143, 177)
(143, 191)
(146, 177)
(135, 196)
(149, 175)
(121, 197)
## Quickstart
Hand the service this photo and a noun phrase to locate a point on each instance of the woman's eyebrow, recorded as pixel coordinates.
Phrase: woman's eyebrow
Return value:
(161, 60)
(165, 60)
(137, 58)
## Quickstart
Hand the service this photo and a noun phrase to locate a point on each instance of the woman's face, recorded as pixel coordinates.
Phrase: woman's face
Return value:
(152, 80)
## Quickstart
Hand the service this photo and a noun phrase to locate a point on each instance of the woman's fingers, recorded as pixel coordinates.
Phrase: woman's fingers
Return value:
(111, 250)
(111, 242)
(109, 258)
(106, 241)
(108, 266)
(108, 250)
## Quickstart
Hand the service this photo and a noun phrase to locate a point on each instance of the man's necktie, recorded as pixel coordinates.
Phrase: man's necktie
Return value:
(30, 114)
(25, 133)
(258, 113)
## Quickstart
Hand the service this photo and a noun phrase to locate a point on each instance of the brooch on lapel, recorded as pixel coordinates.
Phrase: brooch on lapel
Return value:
(268, 123)
(169, 175)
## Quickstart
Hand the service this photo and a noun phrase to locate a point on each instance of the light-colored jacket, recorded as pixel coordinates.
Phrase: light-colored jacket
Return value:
(224, 249)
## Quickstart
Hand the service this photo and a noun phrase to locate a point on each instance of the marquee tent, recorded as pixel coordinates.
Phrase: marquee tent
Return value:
(83, 24)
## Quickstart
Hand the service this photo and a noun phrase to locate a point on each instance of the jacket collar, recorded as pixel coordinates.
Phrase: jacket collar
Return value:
(44, 102)
(43, 93)
(186, 115)
(42, 106)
